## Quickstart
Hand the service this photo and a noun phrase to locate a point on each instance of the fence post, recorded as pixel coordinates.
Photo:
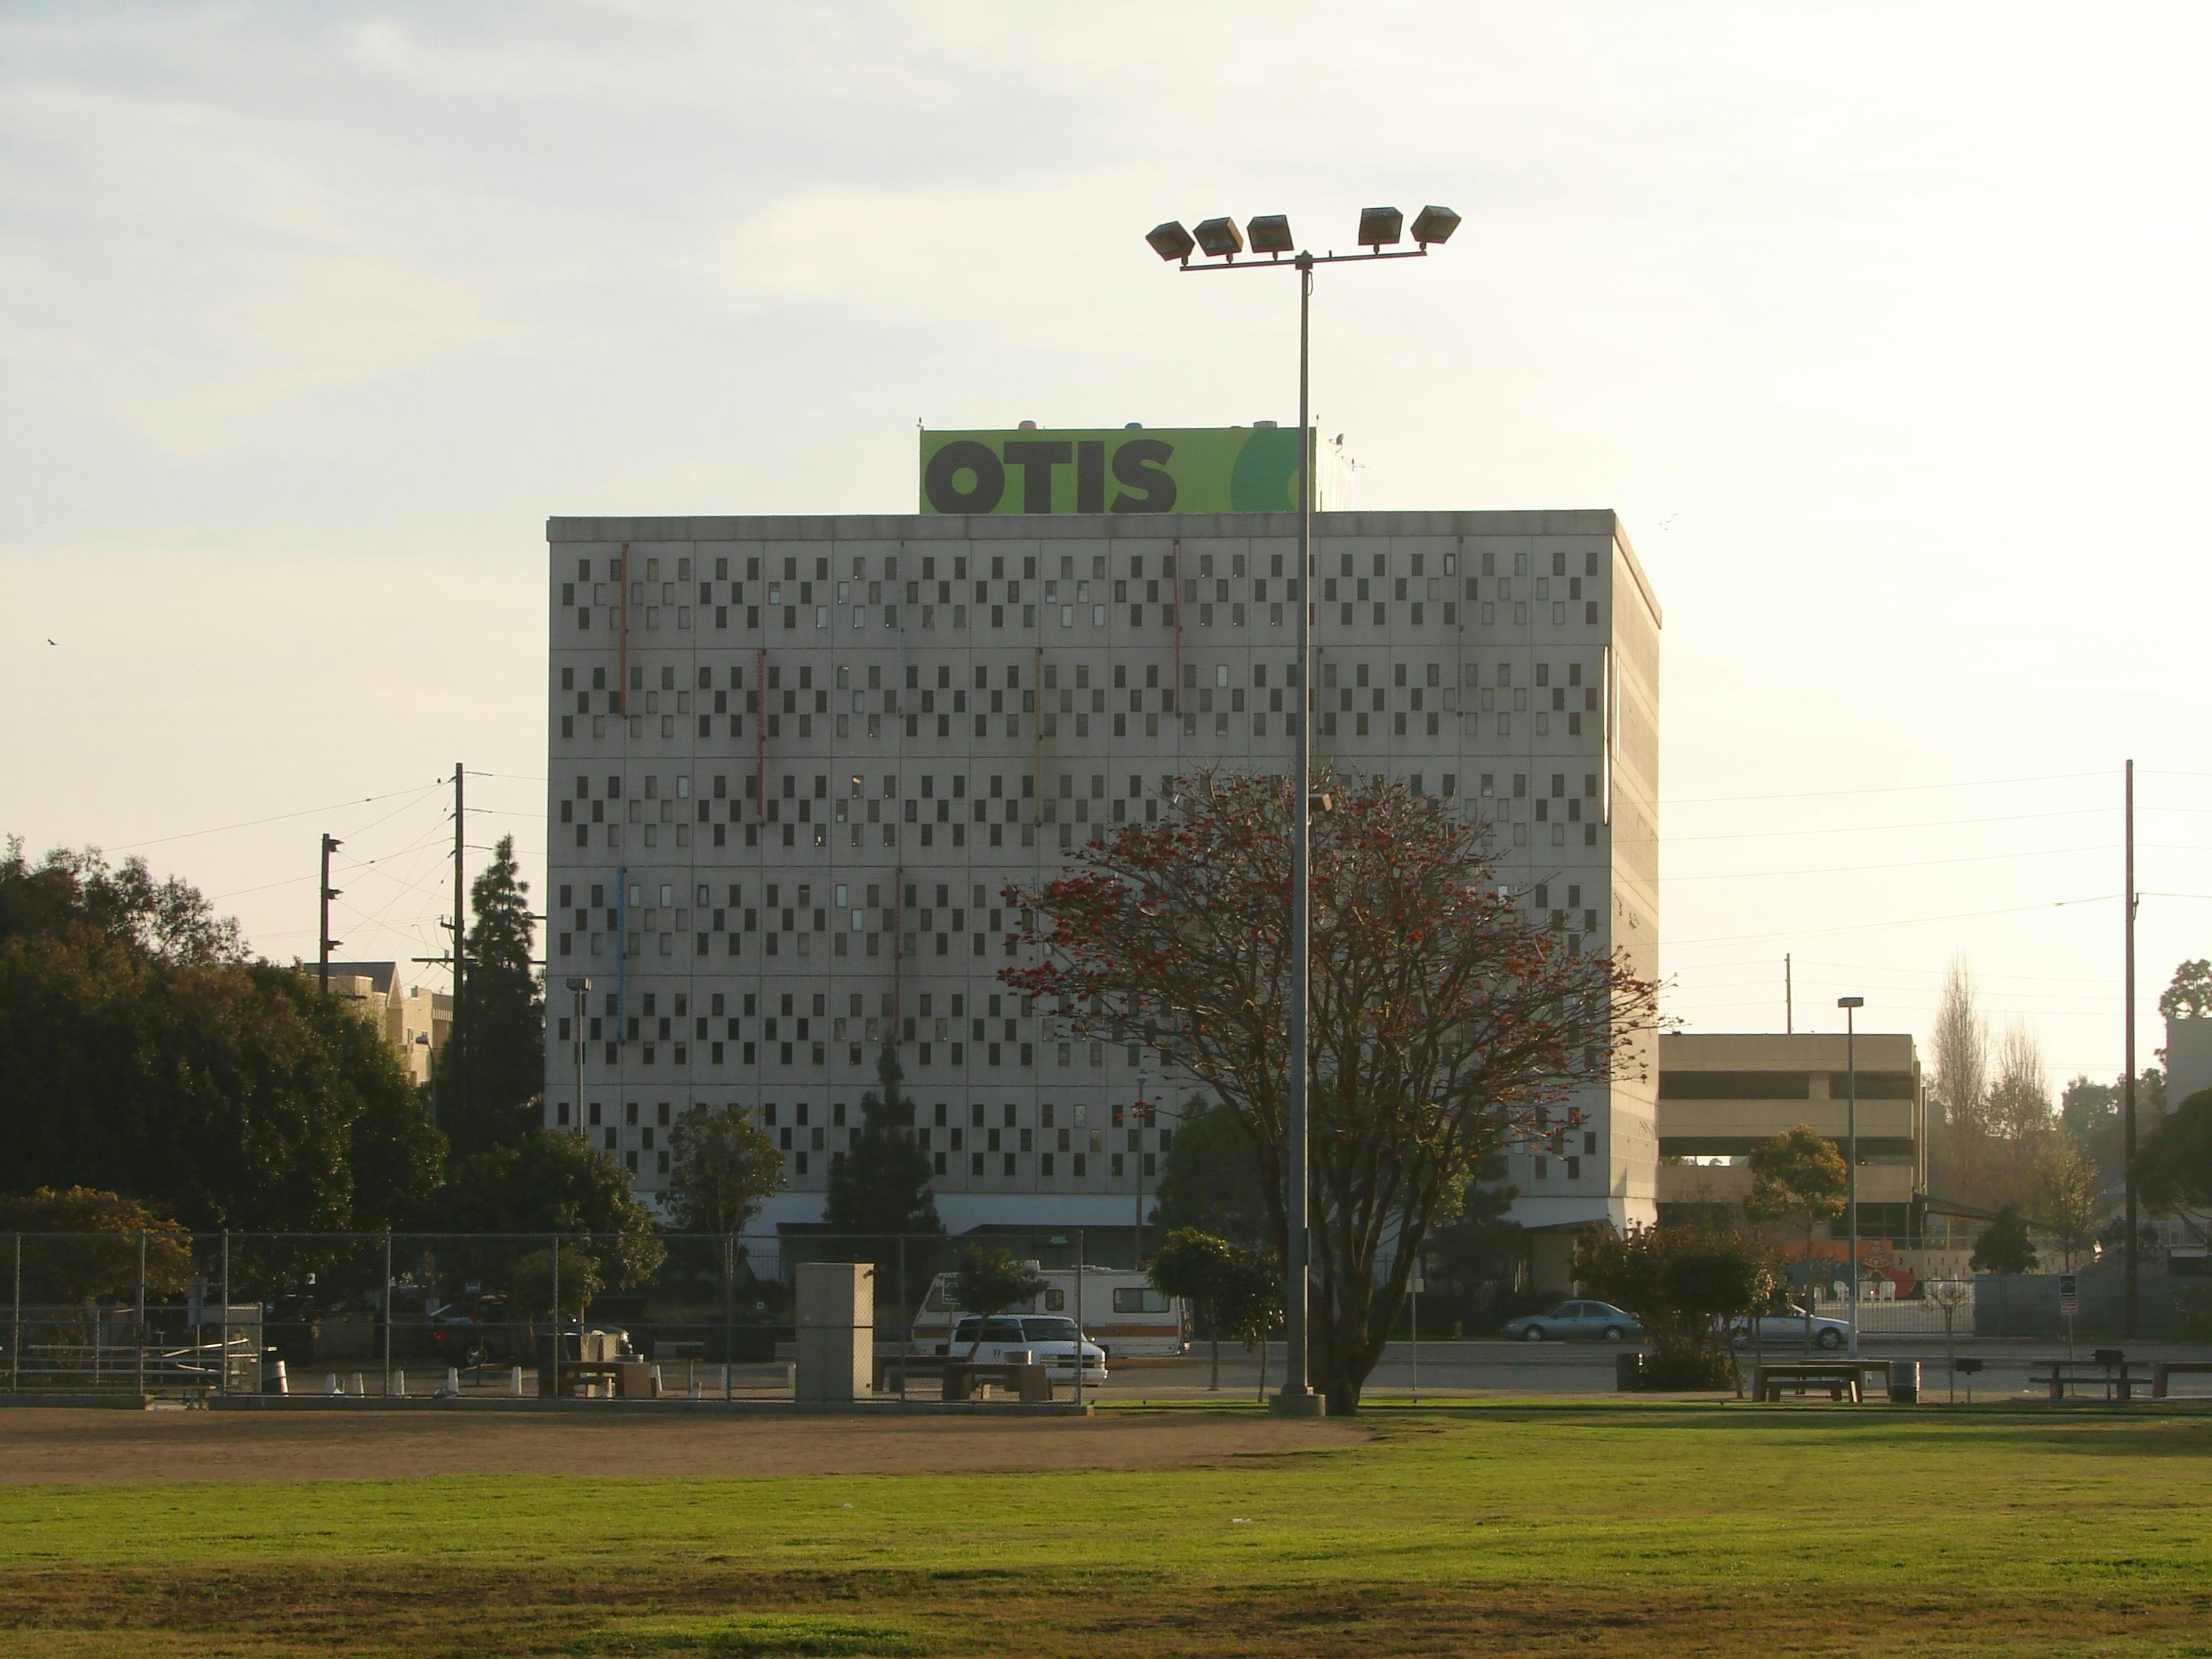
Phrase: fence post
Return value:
(139, 1343)
(729, 1292)
(15, 1349)
(223, 1365)
(1079, 1318)
(388, 1312)
(906, 1321)
(555, 1356)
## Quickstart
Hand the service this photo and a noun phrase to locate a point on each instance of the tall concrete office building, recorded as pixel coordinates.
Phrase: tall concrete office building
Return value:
(795, 761)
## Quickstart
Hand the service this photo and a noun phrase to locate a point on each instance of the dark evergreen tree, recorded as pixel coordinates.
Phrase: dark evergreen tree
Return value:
(491, 1078)
(880, 1187)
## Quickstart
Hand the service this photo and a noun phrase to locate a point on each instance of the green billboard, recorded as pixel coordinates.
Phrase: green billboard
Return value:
(1118, 469)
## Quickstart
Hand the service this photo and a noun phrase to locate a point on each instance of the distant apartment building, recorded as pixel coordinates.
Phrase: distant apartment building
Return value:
(1723, 1094)
(794, 763)
(414, 1022)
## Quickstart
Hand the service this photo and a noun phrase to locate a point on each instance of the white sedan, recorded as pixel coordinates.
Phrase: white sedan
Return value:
(1786, 1329)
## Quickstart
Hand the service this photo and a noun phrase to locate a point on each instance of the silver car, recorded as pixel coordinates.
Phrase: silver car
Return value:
(1786, 1329)
(1592, 1320)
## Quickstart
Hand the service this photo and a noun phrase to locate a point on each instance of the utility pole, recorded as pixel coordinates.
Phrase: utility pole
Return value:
(330, 844)
(2128, 1045)
(1788, 999)
(460, 925)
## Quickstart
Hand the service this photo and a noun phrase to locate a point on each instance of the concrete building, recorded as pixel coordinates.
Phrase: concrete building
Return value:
(414, 1021)
(794, 761)
(2188, 1058)
(1722, 1094)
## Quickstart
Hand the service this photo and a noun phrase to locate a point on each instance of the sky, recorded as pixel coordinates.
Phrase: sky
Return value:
(1879, 324)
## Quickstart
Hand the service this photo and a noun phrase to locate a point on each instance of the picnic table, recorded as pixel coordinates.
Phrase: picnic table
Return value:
(2162, 1368)
(1839, 1376)
(1033, 1383)
(2118, 1377)
(632, 1378)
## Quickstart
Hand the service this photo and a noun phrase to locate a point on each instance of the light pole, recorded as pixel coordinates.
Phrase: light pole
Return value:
(1850, 1006)
(1137, 1152)
(1380, 231)
(578, 985)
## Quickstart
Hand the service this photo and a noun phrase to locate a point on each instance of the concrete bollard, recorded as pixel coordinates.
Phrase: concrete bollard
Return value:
(452, 1379)
(399, 1385)
(331, 1384)
(356, 1386)
(273, 1380)
(515, 1381)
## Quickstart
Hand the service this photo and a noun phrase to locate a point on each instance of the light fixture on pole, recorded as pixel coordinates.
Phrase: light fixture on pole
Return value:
(1380, 230)
(578, 985)
(1850, 1006)
(1140, 1121)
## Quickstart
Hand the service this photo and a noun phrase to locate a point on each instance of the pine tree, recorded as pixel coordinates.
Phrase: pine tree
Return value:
(880, 1187)
(492, 1076)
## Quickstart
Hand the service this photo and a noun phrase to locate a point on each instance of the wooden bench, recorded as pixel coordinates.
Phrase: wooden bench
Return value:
(892, 1370)
(2161, 1370)
(1033, 1383)
(1839, 1376)
(2118, 1381)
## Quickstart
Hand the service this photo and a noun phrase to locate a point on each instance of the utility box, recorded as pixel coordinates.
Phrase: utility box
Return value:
(835, 1331)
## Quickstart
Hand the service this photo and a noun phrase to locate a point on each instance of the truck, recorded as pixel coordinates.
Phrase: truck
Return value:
(1121, 1313)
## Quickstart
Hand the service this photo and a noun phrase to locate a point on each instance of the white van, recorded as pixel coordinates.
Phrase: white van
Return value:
(1121, 1311)
(1049, 1339)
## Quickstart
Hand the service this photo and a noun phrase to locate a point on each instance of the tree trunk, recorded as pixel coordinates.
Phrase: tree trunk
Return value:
(1213, 1383)
(1263, 1371)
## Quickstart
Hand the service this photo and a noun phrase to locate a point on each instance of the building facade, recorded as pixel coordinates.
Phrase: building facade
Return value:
(795, 761)
(1723, 1094)
(415, 1022)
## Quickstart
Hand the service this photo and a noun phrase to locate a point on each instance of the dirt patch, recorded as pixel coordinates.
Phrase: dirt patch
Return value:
(43, 1447)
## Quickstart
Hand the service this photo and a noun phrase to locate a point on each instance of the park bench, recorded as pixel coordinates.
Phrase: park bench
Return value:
(2116, 1377)
(1839, 1376)
(1033, 1383)
(2162, 1368)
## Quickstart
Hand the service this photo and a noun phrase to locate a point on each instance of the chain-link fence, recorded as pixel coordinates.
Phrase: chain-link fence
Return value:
(473, 1315)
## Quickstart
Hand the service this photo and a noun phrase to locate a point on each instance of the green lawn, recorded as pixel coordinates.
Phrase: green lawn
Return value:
(1638, 1530)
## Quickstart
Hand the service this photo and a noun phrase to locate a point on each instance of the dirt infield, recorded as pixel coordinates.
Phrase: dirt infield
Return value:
(39, 1447)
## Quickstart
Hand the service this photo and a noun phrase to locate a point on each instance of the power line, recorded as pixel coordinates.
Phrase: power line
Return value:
(1890, 789)
(1908, 864)
(1901, 921)
(277, 817)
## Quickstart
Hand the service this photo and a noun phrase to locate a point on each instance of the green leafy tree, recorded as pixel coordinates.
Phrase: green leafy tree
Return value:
(552, 1182)
(2005, 1246)
(491, 1073)
(880, 1189)
(2173, 1161)
(2068, 1196)
(1449, 1021)
(1475, 1253)
(231, 1093)
(988, 1281)
(1238, 1291)
(1683, 1283)
(533, 1277)
(1800, 1179)
(725, 1166)
(96, 1257)
(2089, 1116)
(2190, 995)
(1211, 1179)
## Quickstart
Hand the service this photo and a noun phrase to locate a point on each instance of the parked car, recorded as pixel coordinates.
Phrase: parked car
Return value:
(1597, 1320)
(1784, 1327)
(1051, 1340)
(484, 1332)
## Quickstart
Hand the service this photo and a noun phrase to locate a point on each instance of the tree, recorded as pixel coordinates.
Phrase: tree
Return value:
(2190, 995)
(532, 1282)
(97, 1258)
(491, 1076)
(2089, 1115)
(1683, 1285)
(724, 1165)
(2004, 1246)
(552, 1182)
(1237, 1291)
(1959, 1046)
(1447, 1021)
(1213, 1181)
(985, 1282)
(2173, 1161)
(1476, 1252)
(1801, 1178)
(2020, 1116)
(879, 1188)
(232, 1093)
(2067, 1196)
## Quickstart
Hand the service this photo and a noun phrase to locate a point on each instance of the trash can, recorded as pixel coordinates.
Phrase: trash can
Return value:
(1627, 1372)
(1903, 1382)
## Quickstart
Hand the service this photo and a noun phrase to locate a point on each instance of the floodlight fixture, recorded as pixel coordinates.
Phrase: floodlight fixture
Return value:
(1171, 240)
(1220, 238)
(1851, 1002)
(1433, 226)
(1381, 227)
(1270, 233)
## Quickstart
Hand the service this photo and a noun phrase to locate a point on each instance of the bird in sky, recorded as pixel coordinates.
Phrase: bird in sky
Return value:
(53, 642)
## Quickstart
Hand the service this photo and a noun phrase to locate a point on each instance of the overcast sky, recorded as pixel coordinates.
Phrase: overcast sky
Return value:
(1882, 326)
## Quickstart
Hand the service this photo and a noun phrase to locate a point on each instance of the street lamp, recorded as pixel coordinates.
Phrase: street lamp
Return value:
(1850, 1006)
(1380, 230)
(579, 984)
(1137, 1152)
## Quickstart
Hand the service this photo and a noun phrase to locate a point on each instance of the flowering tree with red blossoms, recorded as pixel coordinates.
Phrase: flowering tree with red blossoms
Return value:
(1446, 1022)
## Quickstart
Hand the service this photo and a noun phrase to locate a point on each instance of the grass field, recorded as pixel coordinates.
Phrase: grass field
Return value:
(1646, 1530)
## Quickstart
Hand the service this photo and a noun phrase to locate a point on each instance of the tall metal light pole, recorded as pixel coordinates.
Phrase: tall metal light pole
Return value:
(579, 985)
(1850, 1006)
(1137, 1152)
(1380, 231)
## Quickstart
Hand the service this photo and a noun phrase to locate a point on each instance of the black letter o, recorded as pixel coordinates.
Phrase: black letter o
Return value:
(968, 456)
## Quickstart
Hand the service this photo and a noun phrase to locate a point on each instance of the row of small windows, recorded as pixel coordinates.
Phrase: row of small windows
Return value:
(622, 567)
